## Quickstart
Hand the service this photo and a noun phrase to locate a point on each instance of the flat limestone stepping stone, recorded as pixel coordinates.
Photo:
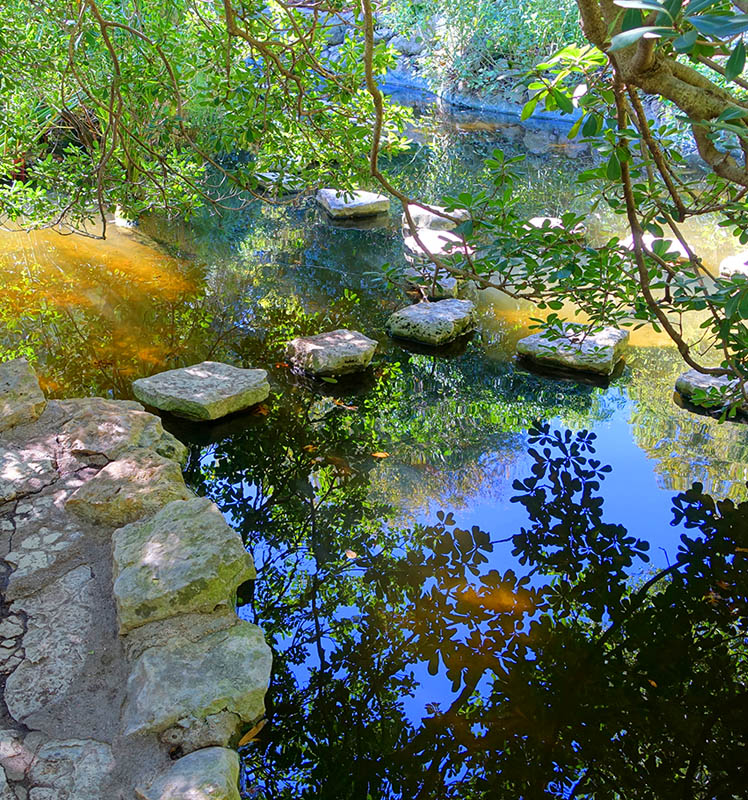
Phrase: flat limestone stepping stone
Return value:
(692, 381)
(341, 204)
(437, 243)
(597, 352)
(433, 323)
(184, 559)
(335, 353)
(21, 399)
(208, 774)
(734, 265)
(190, 680)
(205, 391)
(431, 218)
(134, 486)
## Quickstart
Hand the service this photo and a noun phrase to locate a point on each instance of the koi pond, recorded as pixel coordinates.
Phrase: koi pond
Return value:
(477, 580)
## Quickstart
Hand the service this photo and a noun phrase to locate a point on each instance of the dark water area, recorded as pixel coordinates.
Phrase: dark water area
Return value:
(478, 581)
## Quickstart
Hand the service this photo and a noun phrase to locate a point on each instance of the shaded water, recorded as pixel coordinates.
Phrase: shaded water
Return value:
(411, 661)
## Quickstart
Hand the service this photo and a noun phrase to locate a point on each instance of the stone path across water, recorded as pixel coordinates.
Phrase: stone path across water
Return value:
(104, 699)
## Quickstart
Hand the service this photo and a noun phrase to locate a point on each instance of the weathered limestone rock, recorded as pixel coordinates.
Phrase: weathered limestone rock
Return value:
(185, 558)
(15, 756)
(138, 484)
(408, 46)
(56, 643)
(24, 471)
(204, 391)
(216, 730)
(433, 323)
(109, 428)
(335, 353)
(6, 793)
(21, 399)
(340, 204)
(437, 243)
(693, 381)
(73, 769)
(35, 555)
(209, 774)
(734, 265)
(227, 670)
(589, 352)
(431, 219)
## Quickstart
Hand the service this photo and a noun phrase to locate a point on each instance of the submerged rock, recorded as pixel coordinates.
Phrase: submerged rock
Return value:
(181, 679)
(734, 265)
(437, 243)
(339, 203)
(21, 399)
(204, 391)
(185, 558)
(138, 484)
(597, 352)
(335, 353)
(433, 323)
(279, 182)
(431, 218)
(717, 386)
(208, 774)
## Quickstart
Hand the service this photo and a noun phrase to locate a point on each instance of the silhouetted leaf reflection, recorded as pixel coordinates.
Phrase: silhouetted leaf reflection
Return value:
(409, 666)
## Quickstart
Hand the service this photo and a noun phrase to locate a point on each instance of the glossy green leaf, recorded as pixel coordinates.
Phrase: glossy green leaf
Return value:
(736, 63)
(627, 38)
(720, 26)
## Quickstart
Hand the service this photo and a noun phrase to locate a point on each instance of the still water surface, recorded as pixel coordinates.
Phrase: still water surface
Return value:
(412, 659)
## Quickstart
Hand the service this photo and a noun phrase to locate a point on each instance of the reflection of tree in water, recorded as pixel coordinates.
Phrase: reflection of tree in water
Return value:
(576, 675)
(685, 447)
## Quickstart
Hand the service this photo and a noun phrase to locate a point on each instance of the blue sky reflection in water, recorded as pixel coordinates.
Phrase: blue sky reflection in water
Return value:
(411, 660)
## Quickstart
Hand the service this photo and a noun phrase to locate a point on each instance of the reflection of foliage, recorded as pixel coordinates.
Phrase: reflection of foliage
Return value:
(666, 432)
(575, 672)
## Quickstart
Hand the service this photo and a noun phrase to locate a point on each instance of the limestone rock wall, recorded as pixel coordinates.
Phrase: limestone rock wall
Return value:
(124, 669)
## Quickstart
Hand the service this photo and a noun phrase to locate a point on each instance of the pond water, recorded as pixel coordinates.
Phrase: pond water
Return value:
(419, 655)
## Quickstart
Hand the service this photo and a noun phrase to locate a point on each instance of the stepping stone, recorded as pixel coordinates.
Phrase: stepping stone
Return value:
(135, 486)
(21, 399)
(184, 559)
(437, 243)
(429, 218)
(422, 277)
(674, 246)
(208, 774)
(205, 391)
(339, 203)
(335, 353)
(734, 265)
(433, 323)
(692, 381)
(190, 680)
(591, 352)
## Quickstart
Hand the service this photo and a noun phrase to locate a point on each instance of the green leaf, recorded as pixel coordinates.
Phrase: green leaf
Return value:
(733, 112)
(613, 170)
(684, 43)
(743, 305)
(627, 38)
(646, 5)
(529, 108)
(632, 19)
(591, 125)
(562, 101)
(720, 26)
(736, 62)
(697, 6)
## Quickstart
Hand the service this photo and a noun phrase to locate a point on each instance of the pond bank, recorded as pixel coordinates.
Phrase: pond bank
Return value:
(104, 685)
